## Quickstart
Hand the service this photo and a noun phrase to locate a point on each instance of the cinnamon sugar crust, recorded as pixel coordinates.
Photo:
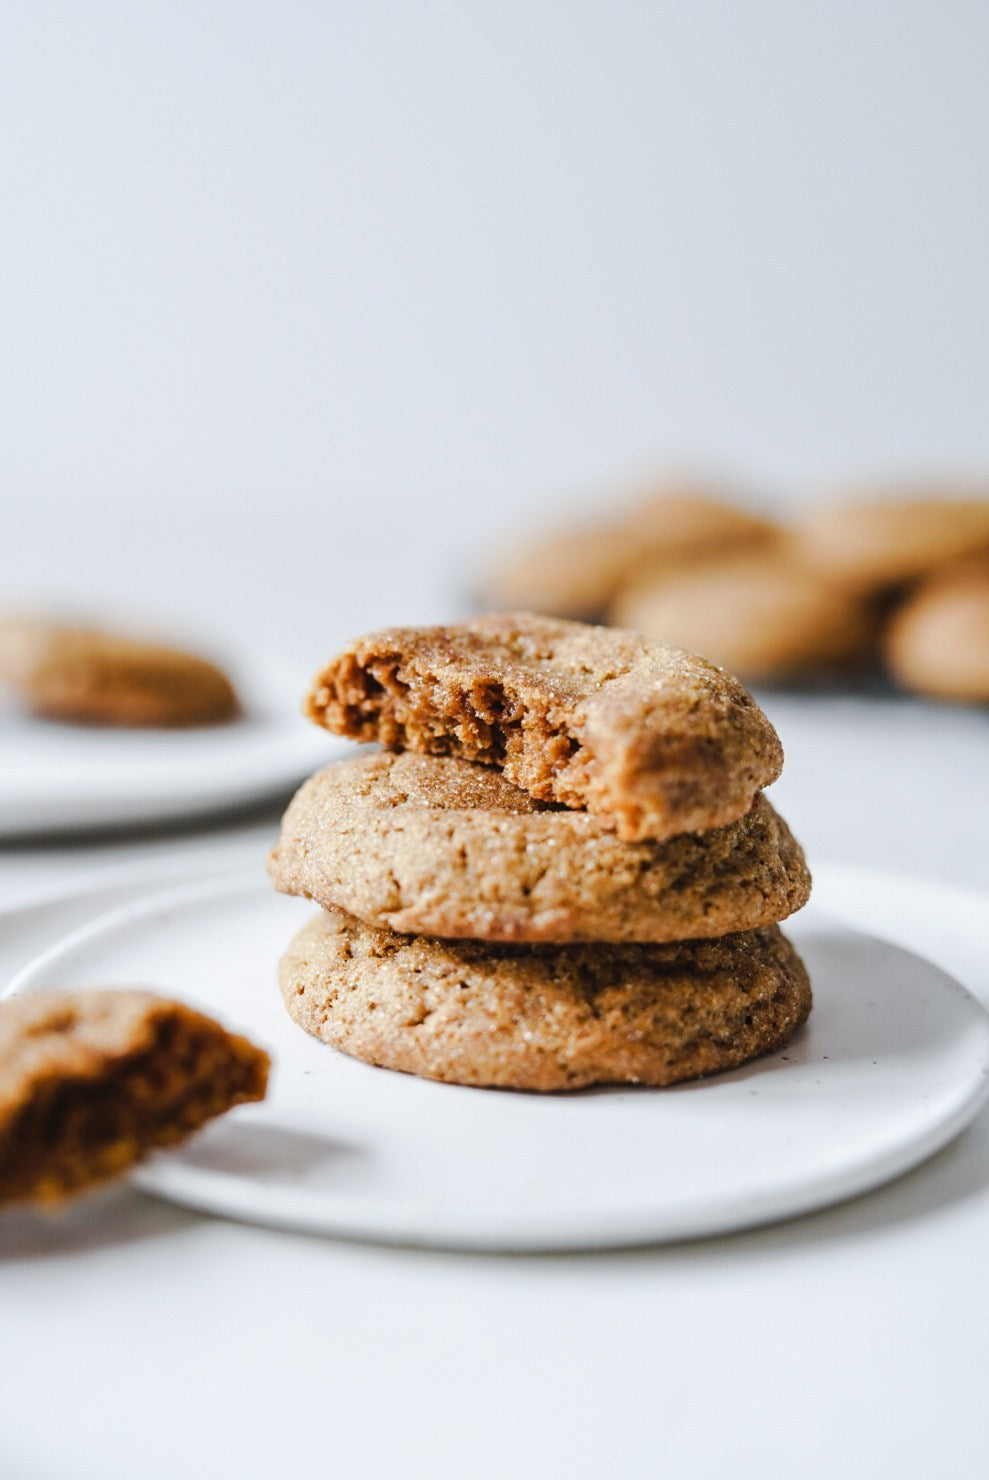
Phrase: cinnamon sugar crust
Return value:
(542, 1017)
(437, 846)
(651, 739)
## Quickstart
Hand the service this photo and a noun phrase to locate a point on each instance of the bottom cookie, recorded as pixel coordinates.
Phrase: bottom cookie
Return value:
(543, 1017)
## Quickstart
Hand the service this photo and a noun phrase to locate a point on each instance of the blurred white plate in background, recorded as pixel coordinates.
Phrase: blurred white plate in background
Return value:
(891, 1066)
(57, 778)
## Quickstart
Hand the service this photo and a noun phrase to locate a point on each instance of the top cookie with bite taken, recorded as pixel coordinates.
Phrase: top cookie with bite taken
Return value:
(650, 737)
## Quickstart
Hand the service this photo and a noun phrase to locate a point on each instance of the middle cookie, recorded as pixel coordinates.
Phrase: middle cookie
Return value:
(432, 845)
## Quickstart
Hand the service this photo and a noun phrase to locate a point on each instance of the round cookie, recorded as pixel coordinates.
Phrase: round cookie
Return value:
(541, 1017)
(575, 571)
(938, 641)
(654, 740)
(873, 544)
(436, 846)
(89, 677)
(762, 616)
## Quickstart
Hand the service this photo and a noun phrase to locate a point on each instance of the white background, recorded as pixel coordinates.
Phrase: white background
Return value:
(283, 283)
(304, 307)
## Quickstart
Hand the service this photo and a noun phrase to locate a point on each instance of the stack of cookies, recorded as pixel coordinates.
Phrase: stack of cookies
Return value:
(560, 870)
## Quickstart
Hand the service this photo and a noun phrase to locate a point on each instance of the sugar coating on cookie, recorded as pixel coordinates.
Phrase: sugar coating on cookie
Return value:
(93, 1080)
(651, 738)
(434, 845)
(937, 643)
(763, 615)
(576, 570)
(543, 1017)
(82, 676)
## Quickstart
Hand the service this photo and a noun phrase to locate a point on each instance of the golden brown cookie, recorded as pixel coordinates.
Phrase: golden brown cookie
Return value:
(645, 736)
(91, 1081)
(543, 1017)
(575, 571)
(938, 641)
(762, 615)
(436, 846)
(873, 544)
(88, 677)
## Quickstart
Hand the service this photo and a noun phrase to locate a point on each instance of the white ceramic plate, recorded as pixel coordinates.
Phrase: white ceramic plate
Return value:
(59, 778)
(892, 1065)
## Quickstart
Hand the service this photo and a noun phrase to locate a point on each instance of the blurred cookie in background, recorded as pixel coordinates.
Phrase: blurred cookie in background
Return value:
(761, 614)
(874, 544)
(576, 570)
(937, 642)
(853, 587)
(85, 676)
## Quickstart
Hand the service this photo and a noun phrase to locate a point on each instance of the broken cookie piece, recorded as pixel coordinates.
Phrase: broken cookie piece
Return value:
(92, 1081)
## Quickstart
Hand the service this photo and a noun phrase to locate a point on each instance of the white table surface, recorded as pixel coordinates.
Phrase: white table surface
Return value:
(308, 307)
